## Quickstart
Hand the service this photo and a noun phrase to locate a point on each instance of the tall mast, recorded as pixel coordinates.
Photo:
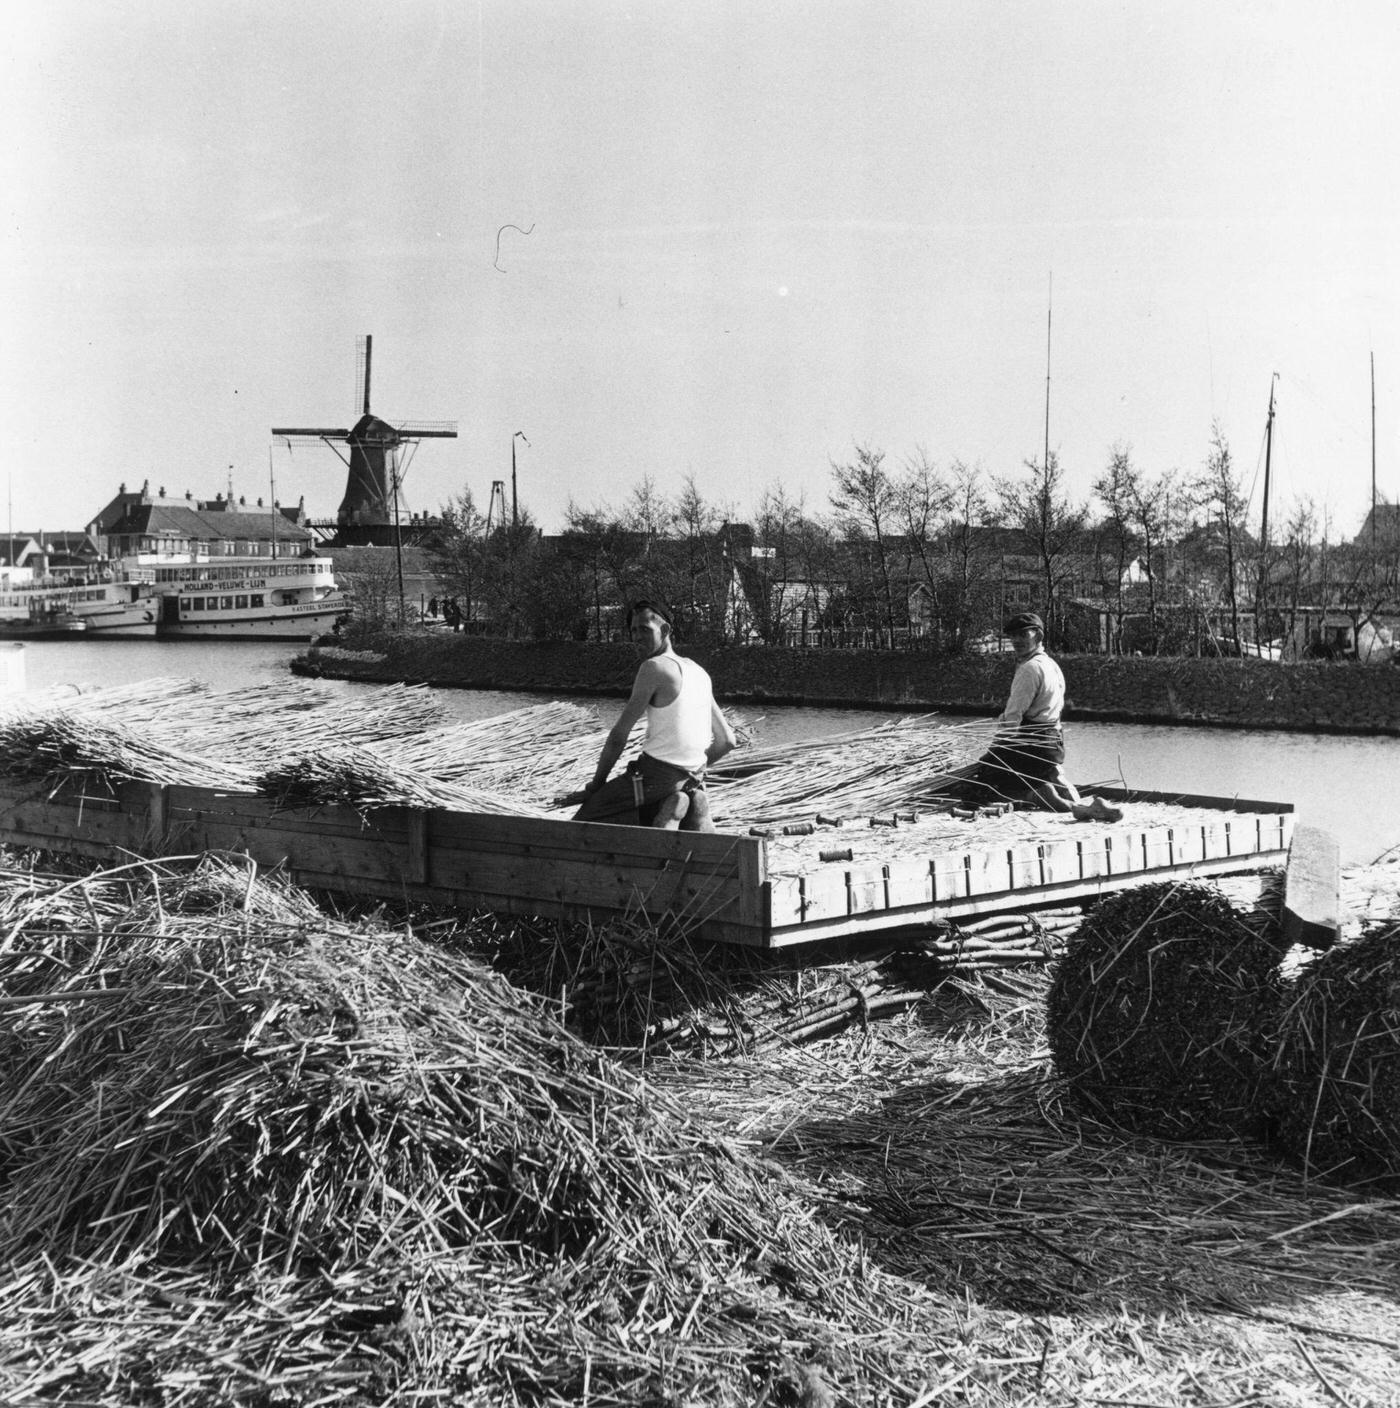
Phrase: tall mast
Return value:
(1049, 308)
(1261, 590)
(1268, 450)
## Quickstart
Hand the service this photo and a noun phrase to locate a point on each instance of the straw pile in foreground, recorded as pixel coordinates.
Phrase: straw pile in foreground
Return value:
(251, 1154)
(938, 1226)
(1336, 1068)
(1161, 1010)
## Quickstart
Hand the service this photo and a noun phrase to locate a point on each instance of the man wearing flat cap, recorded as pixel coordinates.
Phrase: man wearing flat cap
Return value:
(1026, 759)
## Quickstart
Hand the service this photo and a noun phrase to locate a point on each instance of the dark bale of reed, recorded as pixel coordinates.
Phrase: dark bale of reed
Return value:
(1159, 1015)
(1335, 1077)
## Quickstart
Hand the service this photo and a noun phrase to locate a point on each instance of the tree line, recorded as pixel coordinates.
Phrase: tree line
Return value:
(926, 556)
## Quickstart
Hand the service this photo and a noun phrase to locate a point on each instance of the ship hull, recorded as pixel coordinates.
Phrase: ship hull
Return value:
(282, 623)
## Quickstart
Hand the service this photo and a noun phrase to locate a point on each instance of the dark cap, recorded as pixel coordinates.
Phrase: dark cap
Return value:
(1026, 621)
(643, 604)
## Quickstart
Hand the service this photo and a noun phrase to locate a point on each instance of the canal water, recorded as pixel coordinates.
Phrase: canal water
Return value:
(1346, 785)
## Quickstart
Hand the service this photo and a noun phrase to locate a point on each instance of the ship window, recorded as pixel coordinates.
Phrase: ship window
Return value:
(256, 599)
(241, 602)
(195, 603)
(226, 603)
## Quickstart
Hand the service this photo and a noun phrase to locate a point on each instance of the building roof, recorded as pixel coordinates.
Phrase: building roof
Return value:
(167, 519)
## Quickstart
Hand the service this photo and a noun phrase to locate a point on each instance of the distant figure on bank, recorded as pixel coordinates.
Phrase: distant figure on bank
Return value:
(1026, 759)
(686, 732)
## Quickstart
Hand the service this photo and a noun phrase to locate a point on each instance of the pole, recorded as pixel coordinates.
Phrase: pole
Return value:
(1373, 451)
(272, 499)
(514, 500)
(1262, 588)
(398, 534)
(1049, 308)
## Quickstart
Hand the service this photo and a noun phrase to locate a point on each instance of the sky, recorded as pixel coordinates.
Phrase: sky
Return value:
(730, 241)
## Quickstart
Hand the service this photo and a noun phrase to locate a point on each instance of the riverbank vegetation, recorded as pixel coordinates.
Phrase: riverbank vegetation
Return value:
(932, 557)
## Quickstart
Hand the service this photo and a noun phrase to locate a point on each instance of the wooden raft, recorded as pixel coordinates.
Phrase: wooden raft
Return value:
(719, 885)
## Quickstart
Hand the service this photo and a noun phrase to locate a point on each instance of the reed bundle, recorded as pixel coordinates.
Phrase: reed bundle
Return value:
(1335, 1073)
(900, 764)
(365, 777)
(253, 1154)
(1160, 1014)
(535, 751)
(76, 750)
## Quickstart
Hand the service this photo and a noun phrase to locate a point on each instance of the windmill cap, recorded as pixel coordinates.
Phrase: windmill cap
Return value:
(1025, 621)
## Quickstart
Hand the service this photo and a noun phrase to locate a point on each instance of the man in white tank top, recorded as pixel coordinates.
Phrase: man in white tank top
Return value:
(686, 731)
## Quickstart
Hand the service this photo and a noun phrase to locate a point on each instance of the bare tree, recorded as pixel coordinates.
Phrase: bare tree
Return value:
(1219, 489)
(1150, 509)
(702, 593)
(1296, 557)
(971, 511)
(1114, 488)
(925, 499)
(866, 505)
(1039, 506)
(794, 576)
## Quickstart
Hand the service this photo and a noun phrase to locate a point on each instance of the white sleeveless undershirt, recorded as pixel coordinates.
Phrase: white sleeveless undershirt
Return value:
(679, 732)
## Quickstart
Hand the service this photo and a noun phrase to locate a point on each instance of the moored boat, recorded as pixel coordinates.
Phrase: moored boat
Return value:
(41, 622)
(264, 598)
(110, 610)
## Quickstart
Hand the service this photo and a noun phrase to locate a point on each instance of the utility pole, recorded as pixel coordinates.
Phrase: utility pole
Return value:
(514, 500)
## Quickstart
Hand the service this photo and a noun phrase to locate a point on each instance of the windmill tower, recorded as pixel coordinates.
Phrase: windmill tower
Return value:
(369, 509)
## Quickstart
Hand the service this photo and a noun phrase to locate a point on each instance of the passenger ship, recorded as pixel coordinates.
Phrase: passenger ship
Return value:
(271, 598)
(118, 607)
(221, 569)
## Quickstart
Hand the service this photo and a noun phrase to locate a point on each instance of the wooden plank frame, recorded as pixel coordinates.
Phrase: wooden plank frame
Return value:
(716, 885)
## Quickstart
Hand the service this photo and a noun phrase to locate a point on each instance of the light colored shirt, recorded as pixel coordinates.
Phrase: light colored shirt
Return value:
(1037, 693)
(680, 732)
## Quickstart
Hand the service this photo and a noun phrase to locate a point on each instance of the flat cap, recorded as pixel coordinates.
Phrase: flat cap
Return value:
(1025, 621)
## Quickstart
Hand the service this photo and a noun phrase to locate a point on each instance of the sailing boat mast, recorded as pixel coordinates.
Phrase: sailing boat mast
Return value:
(1373, 451)
(1261, 589)
(1049, 309)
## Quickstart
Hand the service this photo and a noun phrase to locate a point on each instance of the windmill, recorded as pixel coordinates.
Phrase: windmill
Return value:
(368, 512)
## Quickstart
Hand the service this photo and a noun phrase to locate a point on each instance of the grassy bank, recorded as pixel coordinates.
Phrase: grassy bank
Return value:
(1312, 696)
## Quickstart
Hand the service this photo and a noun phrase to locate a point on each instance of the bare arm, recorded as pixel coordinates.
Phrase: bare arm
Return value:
(649, 677)
(722, 738)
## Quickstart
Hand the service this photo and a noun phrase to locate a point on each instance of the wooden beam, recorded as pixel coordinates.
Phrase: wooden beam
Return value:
(1312, 889)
